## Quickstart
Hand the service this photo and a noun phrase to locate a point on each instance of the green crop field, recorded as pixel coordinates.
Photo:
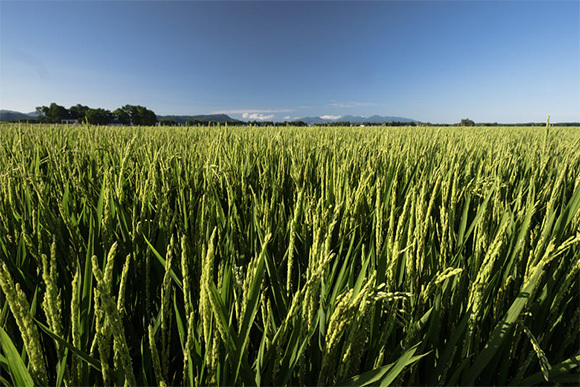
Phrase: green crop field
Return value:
(289, 256)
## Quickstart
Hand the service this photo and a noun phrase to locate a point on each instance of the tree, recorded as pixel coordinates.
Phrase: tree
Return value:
(78, 112)
(123, 115)
(194, 123)
(135, 115)
(98, 116)
(52, 114)
(467, 122)
(143, 116)
(168, 122)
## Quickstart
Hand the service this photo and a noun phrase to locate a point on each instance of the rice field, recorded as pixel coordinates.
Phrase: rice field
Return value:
(289, 256)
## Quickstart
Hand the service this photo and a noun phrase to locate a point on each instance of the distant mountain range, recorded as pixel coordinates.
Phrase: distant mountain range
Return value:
(11, 115)
(203, 117)
(354, 119)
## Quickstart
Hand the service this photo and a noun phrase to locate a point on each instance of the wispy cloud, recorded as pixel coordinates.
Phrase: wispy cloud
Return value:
(351, 104)
(251, 111)
(328, 117)
(257, 116)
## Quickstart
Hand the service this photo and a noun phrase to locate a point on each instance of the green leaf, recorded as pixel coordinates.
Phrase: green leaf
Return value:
(277, 288)
(450, 349)
(501, 332)
(405, 360)
(251, 310)
(18, 370)
(61, 368)
(100, 202)
(558, 373)
(478, 215)
(385, 375)
(179, 321)
(220, 313)
(368, 378)
(568, 214)
(162, 261)
(3, 381)
(89, 359)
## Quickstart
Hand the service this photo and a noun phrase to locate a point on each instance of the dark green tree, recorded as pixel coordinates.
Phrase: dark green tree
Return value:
(194, 123)
(135, 115)
(467, 122)
(98, 116)
(52, 114)
(168, 122)
(123, 115)
(143, 116)
(78, 112)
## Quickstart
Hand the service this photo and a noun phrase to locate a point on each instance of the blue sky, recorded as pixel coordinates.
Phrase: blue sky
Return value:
(436, 61)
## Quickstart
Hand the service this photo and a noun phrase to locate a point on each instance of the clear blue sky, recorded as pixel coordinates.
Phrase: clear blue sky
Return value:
(497, 61)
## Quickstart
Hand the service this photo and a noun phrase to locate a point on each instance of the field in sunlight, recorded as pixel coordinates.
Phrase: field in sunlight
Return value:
(289, 256)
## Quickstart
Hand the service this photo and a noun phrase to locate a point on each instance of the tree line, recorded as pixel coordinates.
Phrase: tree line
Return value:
(140, 115)
(126, 115)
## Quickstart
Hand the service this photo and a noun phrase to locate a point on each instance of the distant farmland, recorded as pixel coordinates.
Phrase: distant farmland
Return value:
(289, 256)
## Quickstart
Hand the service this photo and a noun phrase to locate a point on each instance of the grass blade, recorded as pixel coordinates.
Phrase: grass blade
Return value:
(18, 370)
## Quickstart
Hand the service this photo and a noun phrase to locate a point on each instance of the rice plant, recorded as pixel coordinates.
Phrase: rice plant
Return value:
(289, 256)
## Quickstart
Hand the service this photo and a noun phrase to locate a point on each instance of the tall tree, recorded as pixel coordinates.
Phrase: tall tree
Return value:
(135, 115)
(78, 112)
(52, 114)
(123, 115)
(98, 116)
(143, 116)
(467, 122)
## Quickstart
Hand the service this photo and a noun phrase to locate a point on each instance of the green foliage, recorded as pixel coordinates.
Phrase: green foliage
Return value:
(98, 116)
(135, 115)
(123, 115)
(289, 256)
(12, 360)
(52, 114)
(78, 112)
(467, 122)
(168, 122)
(127, 115)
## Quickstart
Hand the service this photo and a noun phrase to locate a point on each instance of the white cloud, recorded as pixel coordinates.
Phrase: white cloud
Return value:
(328, 117)
(351, 104)
(257, 116)
(251, 111)
(287, 117)
(341, 105)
